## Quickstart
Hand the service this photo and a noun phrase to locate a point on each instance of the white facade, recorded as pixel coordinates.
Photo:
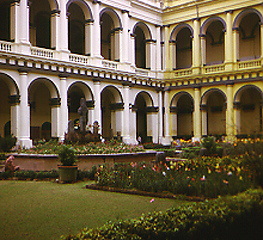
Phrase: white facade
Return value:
(148, 68)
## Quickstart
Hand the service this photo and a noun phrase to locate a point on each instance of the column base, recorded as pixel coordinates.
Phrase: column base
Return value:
(166, 141)
(129, 140)
(25, 143)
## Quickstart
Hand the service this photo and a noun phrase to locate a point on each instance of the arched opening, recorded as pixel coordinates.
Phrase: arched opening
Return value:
(141, 118)
(76, 29)
(40, 23)
(215, 43)
(75, 93)
(249, 111)
(111, 109)
(216, 113)
(46, 131)
(4, 106)
(249, 37)
(107, 36)
(44, 104)
(184, 49)
(140, 48)
(185, 116)
(5, 20)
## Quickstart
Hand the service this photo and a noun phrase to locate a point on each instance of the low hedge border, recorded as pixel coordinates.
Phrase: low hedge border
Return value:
(44, 175)
(235, 217)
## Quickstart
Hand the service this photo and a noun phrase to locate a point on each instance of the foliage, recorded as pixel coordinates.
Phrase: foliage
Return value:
(6, 143)
(42, 175)
(203, 177)
(53, 147)
(237, 217)
(67, 156)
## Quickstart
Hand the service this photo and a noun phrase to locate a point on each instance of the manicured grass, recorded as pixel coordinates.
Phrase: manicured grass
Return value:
(47, 210)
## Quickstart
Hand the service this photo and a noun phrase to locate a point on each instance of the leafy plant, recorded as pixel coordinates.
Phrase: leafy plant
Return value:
(6, 143)
(67, 156)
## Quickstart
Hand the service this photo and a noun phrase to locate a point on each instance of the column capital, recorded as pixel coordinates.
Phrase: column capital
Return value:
(14, 99)
(22, 71)
(54, 102)
(63, 76)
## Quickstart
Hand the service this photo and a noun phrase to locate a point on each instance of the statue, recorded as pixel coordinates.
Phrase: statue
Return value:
(83, 112)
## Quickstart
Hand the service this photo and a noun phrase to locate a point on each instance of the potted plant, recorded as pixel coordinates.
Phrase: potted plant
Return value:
(67, 169)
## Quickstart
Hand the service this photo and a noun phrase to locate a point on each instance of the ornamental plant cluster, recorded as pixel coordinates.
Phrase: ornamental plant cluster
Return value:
(53, 147)
(236, 217)
(202, 177)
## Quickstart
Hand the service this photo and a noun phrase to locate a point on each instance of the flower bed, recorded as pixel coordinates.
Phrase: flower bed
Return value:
(53, 147)
(205, 177)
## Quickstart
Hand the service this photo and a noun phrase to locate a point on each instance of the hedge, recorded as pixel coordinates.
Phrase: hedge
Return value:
(235, 217)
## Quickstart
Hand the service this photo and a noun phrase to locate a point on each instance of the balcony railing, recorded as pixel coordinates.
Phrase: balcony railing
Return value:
(214, 68)
(79, 59)
(142, 72)
(183, 72)
(42, 52)
(249, 64)
(109, 64)
(5, 46)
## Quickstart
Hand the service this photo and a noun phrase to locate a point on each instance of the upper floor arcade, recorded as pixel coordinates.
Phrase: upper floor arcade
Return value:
(142, 39)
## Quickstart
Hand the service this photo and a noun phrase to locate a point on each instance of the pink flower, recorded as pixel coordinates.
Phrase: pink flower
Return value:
(152, 200)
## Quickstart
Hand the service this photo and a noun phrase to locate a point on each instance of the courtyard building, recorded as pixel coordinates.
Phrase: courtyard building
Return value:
(149, 69)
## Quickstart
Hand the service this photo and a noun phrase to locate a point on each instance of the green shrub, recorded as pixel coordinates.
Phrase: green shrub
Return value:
(6, 143)
(237, 217)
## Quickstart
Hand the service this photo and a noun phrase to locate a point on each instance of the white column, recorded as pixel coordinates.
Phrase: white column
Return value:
(55, 29)
(126, 115)
(133, 129)
(167, 137)
(96, 31)
(203, 49)
(125, 38)
(167, 54)
(24, 126)
(229, 40)
(23, 28)
(237, 116)
(63, 108)
(230, 128)
(158, 54)
(117, 45)
(261, 39)
(160, 125)
(132, 50)
(197, 115)
(204, 114)
(196, 53)
(63, 28)
(55, 121)
(15, 116)
(154, 123)
(97, 108)
(173, 53)
(14, 21)
(88, 37)
(148, 54)
(236, 44)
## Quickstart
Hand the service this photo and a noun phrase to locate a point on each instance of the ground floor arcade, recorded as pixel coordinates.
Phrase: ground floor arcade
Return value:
(38, 106)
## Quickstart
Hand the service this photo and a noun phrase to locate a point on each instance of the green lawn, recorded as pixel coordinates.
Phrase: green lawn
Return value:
(47, 210)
